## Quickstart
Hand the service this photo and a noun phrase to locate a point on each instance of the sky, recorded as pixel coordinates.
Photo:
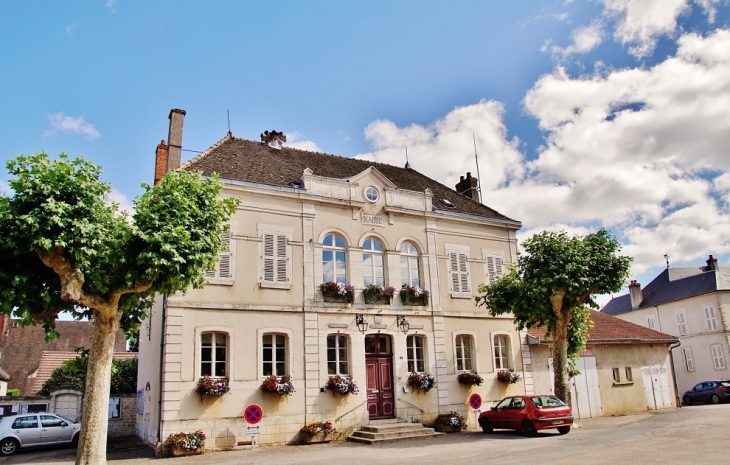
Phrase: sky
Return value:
(585, 113)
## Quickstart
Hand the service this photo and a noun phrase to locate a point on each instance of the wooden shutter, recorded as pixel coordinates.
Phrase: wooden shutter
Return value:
(689, 362)
(223, 267)
(275, 258)
(269, 257)
(718, 357)
(495, 268)
(281, 259)
(650, 322)
(463, 272)
(710, 317)
(681, 324)
(454, 265)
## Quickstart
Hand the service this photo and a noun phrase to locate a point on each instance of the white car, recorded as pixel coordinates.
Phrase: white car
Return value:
(36, 429)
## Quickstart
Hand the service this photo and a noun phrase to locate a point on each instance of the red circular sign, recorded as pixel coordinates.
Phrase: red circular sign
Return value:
(475, 400)
(253, 414)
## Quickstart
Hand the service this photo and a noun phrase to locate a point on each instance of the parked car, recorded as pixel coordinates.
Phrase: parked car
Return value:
(37, 429)
(707, 391)
(528, 414)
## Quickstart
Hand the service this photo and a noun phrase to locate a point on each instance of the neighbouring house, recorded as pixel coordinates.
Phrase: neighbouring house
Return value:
(306, 219)
(4, 380)
(690, 304)
(625, 368)
(22, 349)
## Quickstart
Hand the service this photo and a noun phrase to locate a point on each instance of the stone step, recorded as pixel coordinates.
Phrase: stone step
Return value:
(392, 427)
(394, 434)
(375, 434)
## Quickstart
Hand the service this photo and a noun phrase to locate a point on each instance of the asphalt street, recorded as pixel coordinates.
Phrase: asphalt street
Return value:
(696, 434)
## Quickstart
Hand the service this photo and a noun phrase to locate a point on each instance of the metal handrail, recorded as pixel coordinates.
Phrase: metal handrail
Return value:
(350, 411)
(412, 405)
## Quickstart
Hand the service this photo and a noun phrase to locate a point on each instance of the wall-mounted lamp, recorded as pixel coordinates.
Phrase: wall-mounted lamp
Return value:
(362, 325)
(403, 324)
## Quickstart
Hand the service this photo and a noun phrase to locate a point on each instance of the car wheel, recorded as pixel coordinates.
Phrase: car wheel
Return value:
(8, 446)
(528, 429)
(75, 440)
(564, 430)
(715, 399)
(486, 426)
(686, 400)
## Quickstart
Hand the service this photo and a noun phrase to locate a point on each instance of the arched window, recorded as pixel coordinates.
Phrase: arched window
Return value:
(501, 352)
(409, 274)
(213, 354)
(337, 359)
(372, 258)
(334, 267)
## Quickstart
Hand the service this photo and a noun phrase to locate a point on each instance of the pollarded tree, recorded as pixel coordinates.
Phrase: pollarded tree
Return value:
(65, 247)
(553, 283)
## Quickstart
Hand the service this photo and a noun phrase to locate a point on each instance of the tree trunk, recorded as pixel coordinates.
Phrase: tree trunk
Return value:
(95, 419)
(560, 362)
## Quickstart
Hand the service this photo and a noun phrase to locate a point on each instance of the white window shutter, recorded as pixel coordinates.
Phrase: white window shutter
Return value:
(463, 273)
(454, 265)
(681, 324)
(495, 268)
(710, 318)
(281, 259)
(224, 260)
(689, 363)
(269, 258)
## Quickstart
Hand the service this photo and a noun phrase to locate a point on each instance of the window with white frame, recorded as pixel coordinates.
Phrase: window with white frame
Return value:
(415, 349)
(213, 354)
(495, 266)
(334, 267)
(464, 351)
(223, 271)
(650, 322)
(501, 352)
(409, 269)
(718, 357)
(710, 317)
(459, 271)
(681, 323)
(337, 355)
(276, 260)
(689, 363)
(372, 260)
(274, 354)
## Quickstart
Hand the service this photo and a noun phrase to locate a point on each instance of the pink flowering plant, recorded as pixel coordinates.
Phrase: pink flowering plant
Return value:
(208, 386)
(508, 376)
(339, 289)
(324, 427)
(470, 378)
(421, 381)
(373, 291)
(188, 441)
(284, 385)
(410, 294)
(341, 385)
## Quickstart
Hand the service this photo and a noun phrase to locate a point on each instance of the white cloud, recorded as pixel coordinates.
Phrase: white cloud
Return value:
(583, 40)
(640, 151)
(120, 199)
(293, 140)
(709, 7)
(69, 29)
(110, 4)
(62, 123)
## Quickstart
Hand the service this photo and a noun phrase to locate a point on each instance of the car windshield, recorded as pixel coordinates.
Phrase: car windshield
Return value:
(547, 402)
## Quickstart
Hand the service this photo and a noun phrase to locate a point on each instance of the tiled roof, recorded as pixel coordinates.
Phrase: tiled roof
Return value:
(662, 290)
(50, 360)
(21, 349)
(246, 160)
(4, 376)
(611, 330)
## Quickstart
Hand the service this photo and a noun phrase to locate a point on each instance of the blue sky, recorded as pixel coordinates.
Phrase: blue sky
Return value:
(586, 113)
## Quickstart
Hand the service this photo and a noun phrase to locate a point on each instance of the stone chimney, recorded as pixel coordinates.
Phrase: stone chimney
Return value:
(174, 139)
(635, 294)
(468, 187)
(712, 264)
(161, 161)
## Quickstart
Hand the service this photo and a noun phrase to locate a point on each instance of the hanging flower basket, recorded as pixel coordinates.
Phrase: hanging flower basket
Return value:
(470, 378)
(340, 385)
(208, 386)
(414, 295)
(508, 376)
(451, 422)
(320, 431)
(338, 292)
(375, 294)
(284, 385)
(421, 381)
(186, 443)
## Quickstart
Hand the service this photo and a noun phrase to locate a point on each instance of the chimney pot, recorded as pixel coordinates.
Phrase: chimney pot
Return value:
(635, 294)
(712, 264)
(174, 138)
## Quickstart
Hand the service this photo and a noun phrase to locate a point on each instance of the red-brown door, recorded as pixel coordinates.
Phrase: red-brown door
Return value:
(379, 369)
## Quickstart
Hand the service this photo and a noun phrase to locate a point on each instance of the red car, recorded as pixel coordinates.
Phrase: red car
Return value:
(528, 414)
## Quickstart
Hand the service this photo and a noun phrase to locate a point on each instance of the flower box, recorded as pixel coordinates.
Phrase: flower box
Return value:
(508, 376)
(340, 385)
(316, 438)
(414, 295)
(470, 378)
(375, 294)
(338, 292)
(208, 386)
(447, 428)
(181, 451)
(186, 443)
(421, 382)
(283, 386)
(317, 432)
(451, 422)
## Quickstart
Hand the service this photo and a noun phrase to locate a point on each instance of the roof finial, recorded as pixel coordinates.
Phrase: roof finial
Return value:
(408, 165)
(666, 257)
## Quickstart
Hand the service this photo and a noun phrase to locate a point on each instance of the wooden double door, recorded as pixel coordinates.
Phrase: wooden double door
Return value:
(379, 369)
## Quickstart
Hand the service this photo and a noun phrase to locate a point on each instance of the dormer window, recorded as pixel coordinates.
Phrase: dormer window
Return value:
(372, 194)
(447, 203)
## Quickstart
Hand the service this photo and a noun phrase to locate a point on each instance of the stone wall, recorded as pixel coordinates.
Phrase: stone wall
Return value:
(124, 425)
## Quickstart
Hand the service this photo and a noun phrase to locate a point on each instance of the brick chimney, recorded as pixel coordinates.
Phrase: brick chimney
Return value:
(712, 264)
(174, 139)
(161, 161)
(468, 187)
(635, 294)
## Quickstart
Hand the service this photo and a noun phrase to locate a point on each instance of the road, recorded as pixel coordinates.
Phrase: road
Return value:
(696, 434)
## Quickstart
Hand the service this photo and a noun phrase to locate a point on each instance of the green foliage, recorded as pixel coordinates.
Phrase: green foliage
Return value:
(72, 375)
(13, 392)
(62, 205)
(554, 264)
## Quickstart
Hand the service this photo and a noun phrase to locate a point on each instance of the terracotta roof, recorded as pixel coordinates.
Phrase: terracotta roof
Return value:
(611, 330)
(665, 289)
(50, 360)
(21, 349)
(246, 160)
(4, 376)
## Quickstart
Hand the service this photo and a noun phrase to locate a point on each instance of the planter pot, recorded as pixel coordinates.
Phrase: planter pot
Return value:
(315, 438)
(330, 296)
(180, 451)
(441, 428)
(415, 302)
(378, 300)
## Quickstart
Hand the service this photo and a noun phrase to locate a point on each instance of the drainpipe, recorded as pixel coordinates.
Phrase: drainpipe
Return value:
(162, 354)
(674, 373)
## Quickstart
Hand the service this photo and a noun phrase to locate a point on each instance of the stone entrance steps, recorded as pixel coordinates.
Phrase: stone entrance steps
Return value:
(376, 433)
